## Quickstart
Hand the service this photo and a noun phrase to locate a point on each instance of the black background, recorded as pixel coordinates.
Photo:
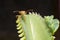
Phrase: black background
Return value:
(7, 17)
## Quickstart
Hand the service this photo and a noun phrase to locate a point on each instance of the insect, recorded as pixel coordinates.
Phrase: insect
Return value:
(35, 27)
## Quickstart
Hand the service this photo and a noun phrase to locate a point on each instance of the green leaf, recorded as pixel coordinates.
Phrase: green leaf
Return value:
(34, 27)
(52, 23)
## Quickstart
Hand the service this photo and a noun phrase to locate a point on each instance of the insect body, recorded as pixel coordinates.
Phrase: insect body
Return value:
(19, 28)
(34, 27)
